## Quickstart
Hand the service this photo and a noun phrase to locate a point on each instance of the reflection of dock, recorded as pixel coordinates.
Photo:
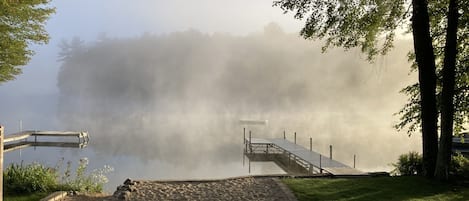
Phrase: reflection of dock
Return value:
(25, 144)
(20, 140)
(295, 159)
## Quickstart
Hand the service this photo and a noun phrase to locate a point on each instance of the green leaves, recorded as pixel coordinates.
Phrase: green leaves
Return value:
(21, 24)
(367, 24)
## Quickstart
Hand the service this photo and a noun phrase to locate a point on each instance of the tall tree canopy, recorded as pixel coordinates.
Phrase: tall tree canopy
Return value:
(439, 46)
(21, 24)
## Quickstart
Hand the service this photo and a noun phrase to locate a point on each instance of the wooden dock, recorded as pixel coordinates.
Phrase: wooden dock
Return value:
(82, 136)
(313, 162)
(20, 140)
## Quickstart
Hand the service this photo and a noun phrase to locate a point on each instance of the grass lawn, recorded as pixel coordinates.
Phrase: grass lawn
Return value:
(379, 188)
(30, 197)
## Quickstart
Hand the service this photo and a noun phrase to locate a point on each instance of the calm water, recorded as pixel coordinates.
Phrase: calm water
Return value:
(195, 146)
(175, 158)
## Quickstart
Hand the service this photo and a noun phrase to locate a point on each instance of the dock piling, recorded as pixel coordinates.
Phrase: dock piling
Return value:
(284, 137)
(250, 145)
(320, 163)
(1, 161)
(310, 144)
(295, 137)
(244, 135)
(330, 151)
(354, 159)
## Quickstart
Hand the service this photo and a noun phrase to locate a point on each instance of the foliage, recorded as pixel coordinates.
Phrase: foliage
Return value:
(370, 25)
(410, 113)
(21, 24)
(408, 164)
(29, 178)
(82, 182)
(460, 166)
(379, 188)
(19, 178)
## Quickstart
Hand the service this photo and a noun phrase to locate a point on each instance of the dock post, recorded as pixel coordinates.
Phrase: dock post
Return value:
(244, 135)
(354, 158)
(330, 152)
(295, 137)
(284, 137)
(1, 161)
(310, 144)
(320, 163)
(250, 145)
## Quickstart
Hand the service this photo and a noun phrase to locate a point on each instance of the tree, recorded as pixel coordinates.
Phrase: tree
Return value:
(21, 23)
(449, 35)
(371, 25)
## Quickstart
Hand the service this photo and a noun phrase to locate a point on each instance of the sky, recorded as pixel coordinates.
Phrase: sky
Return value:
(88, 20)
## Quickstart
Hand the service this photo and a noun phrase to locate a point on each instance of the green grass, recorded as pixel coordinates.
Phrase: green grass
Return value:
(29, 197)
(380, 188)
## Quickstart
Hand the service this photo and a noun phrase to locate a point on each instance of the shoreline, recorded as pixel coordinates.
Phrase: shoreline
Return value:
(266, 187)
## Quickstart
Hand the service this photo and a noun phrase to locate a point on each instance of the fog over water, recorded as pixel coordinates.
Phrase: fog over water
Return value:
(161, 87)
(177, 97)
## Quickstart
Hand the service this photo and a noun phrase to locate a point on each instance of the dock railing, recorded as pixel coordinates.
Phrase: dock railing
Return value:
(311, 161)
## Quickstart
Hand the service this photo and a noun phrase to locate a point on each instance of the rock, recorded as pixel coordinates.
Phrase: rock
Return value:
(128, 181)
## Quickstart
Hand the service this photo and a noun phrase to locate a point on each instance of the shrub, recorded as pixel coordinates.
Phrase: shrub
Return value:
(29, 178)
(83, 182)
(460, 166)
(408, 164)
(20, 179)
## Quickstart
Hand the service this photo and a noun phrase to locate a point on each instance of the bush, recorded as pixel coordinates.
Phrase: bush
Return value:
(20, 179)
(29, 178)
(408, 164)
(83, 182)
(460, 166)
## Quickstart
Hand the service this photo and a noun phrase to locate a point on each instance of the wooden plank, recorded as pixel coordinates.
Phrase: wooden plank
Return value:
(17, 136)
(58, 133)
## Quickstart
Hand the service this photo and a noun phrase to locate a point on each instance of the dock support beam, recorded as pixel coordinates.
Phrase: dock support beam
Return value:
(354, 158)
(284, 137)
(244, 135)
(330, 152)
(320, 163)
(295, 137)
(250, 145)
(2, 133)
(310, 144)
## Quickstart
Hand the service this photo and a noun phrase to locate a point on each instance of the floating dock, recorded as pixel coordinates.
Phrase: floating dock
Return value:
(310, 161)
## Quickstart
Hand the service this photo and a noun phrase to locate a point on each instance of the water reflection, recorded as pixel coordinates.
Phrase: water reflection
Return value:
(26, 144)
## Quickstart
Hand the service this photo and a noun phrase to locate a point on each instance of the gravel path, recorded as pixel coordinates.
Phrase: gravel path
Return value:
(247, 188)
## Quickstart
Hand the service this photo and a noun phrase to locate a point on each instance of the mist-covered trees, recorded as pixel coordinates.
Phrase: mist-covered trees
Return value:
(371, 25)
(21, 24)
(154, 88)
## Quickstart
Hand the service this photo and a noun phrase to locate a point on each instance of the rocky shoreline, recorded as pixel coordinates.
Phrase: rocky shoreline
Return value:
(242, 188)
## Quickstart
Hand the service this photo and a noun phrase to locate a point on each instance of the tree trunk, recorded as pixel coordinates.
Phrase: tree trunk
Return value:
(447, 94)
(425, 59)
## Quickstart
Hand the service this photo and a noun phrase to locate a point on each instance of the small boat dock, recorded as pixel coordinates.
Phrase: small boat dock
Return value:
(309, 161)
(20, 140)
